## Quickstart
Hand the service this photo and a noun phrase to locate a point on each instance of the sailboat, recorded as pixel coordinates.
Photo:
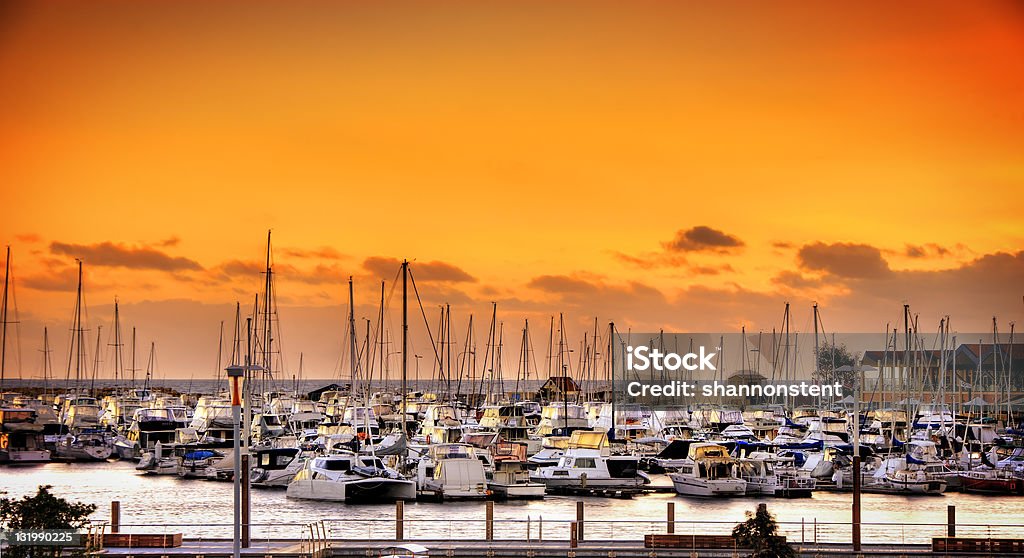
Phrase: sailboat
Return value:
(82, 438)
(21, 438)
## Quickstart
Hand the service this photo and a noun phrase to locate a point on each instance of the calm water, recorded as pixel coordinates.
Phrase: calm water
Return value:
(196, 505)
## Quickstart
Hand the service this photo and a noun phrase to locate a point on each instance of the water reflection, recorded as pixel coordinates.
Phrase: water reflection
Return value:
(166, 500)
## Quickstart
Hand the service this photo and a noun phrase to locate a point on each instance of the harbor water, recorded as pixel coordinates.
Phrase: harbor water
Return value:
(200, 508)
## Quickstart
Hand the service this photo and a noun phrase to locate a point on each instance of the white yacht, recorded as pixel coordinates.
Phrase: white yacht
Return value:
(85, 445)
(21, 439)
(148, 426)
(708, 470)
(563, 418)
(451, 471)
(759, 473)
(551, 451)
(588, 464)
(275, 466)
(441, 425)
(511, 479)
(347, 477)
(266, 427)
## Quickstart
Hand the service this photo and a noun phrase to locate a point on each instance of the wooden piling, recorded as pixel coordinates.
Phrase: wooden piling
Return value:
(855, 527)
(490, 520)
(399, 520)
(671, 512)
(579, 520)
(951, 520)
(246, 540)
(115, 516)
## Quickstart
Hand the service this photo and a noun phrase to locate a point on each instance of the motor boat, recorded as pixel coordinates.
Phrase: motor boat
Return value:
(708, 470)
(347, 477)
(587, 464)
(275, 467)
(451, 471)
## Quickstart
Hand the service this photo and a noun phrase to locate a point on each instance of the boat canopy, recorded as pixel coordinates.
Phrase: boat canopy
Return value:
(705, 451)
(588, 439)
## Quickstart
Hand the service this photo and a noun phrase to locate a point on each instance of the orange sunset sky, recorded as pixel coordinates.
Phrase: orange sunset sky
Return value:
(678, 165)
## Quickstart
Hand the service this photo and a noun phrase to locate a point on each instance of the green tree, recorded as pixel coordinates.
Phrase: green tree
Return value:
(835, 364)
(41, 511)
(760, 534)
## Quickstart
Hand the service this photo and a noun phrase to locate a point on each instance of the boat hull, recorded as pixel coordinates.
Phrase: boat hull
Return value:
(995, 486)
(719, 488)
(24, 456)
(591, 483)
(362, 490)
(527, 491)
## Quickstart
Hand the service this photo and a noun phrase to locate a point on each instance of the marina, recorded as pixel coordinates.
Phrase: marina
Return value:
(506, 279)
(562, 458)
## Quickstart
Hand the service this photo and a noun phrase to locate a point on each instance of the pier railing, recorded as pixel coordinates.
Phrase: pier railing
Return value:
(535, 528)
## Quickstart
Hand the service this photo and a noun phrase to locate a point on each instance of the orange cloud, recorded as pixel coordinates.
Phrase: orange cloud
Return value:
(844, 259)
(118, 255)
(426, 272)
(703, 238)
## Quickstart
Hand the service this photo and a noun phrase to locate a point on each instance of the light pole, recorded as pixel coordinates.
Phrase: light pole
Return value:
(236, 377)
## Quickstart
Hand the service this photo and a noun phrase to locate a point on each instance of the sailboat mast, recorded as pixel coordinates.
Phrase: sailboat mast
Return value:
(75, 347)
(133, 357)
(3, 315)
(405, 343)
(352, 333)
(448, 345)
(149, 367)
(551, 343)
(817, 349)
(366, 349)
(47, 364)
(220, 351)
(380, 336)
(611, 369)
(96, 359)
(267, 334)
(118, 356)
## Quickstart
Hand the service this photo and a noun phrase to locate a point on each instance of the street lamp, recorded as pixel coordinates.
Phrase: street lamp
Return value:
(236, 378)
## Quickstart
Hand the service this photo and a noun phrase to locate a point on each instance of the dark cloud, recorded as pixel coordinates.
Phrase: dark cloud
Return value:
(236, 268)
(782, 245)
(253, 269)
(423, 271)
(982, 288)
(651, 260)
(561, 284)
(702, 238)
(108, 254)
(925, 250)
(319, 275)
(169, 242)
(711, 270)
(795, 280)
(322, 253)
(28, 238)
(61, 280)
(638, 305)
(859, 261)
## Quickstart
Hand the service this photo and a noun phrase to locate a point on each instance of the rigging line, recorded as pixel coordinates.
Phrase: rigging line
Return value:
(426, 323)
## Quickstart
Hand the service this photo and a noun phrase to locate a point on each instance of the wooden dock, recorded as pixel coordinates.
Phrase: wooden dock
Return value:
(221, 548)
